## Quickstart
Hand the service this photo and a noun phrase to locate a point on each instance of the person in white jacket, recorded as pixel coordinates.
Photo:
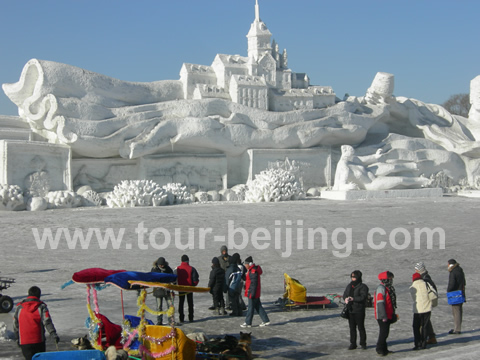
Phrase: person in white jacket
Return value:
(422, 309)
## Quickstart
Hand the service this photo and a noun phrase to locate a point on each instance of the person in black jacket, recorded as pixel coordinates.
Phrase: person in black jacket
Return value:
(420, 269)
(161, 266)
(355, 296)
(233, 278)
(456, 281)
(216, 283)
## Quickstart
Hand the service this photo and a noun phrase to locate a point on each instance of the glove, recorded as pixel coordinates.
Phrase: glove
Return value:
(57, 339)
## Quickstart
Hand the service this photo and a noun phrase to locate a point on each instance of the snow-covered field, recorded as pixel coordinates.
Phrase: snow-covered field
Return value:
(260, 229)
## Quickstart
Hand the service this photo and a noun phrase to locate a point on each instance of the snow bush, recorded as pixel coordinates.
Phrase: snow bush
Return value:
(178, 194)
(11, 198)
(442, 180)
(5, 335)
(91, 198)
(465, 185)
(201, 196)
(132, 193)
(240, 190)
(63, 199)
(274, 185)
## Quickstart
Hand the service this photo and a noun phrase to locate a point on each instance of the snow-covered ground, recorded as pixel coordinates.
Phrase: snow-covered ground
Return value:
(323, 270)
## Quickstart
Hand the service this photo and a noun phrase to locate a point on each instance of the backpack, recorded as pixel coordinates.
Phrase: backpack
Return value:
(432, 294)
(236, 283)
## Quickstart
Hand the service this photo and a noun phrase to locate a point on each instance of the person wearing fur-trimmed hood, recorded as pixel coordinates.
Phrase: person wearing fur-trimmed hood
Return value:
(384, 303)
(422, 309)
(456, 281)
(355, 296)
(161, 294)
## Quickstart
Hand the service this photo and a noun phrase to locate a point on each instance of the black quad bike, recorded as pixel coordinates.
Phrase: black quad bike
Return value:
(6, 302)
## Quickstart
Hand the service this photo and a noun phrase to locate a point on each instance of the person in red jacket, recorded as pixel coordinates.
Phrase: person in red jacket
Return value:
(252, 292)
(29, 323)
(186, 275)
(384, 303)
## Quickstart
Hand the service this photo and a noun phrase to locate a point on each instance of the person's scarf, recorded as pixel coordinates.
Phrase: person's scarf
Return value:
(391, 290)
(353, 285)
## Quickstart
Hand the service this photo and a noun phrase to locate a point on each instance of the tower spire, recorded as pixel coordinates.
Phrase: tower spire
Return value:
(257, 11)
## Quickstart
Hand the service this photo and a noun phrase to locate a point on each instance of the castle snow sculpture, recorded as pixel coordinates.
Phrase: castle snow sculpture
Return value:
(260, 80)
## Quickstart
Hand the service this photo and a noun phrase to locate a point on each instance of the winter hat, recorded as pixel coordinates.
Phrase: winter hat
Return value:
(249, 260)
(416, 276)
(452, 262)
(161, 261)
(420, 267)
(385, 275)
(185, 258)
(215, 261)
(223, 248)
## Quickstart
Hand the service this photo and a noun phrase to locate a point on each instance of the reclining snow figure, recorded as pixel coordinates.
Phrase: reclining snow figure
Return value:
(368, 173)
(102, 117)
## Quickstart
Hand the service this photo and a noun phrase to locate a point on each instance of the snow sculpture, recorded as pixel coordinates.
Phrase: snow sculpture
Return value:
(474, 113)
(369, 173)
(228, 195)
(240, 191)
(381, 90)
(63, 199)
(91, 198)
(442, 180)
(235, 108)
(178, 194)
(137, 193)
(11, 197)
(274, 185)
(201, 196)
(37, 183)
(37, 203)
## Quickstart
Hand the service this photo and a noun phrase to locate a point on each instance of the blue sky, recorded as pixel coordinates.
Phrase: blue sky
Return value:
(432, 47)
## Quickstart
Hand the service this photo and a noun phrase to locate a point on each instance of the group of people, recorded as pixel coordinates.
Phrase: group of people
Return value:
(228, 277)
(424, 295)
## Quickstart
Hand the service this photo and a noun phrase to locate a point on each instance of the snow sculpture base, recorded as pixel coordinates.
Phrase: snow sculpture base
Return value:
(201, 171)
(469, 193)
(382, 194)
(16, 134)
(30, 164)
(311, 166)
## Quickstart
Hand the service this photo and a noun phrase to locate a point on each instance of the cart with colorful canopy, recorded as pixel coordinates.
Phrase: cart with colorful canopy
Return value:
(138, 336)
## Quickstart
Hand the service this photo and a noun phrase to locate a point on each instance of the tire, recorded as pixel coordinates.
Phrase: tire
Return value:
(6, 304)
